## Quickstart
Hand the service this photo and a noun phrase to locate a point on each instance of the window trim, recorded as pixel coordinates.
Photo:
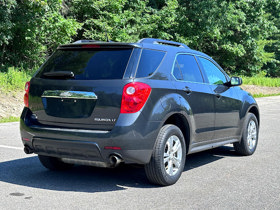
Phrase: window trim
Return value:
(130, 65)
(202, 75)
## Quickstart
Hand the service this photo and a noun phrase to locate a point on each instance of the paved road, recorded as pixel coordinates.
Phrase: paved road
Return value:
(215, 179)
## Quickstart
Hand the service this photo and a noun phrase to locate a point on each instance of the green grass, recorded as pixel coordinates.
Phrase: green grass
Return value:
(14, 79)
(261, 81)
(9, 119)
(265, 95)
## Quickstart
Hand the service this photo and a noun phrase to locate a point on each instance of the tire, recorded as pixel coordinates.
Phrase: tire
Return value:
(163, 169)
(249, 140)
(53, 163)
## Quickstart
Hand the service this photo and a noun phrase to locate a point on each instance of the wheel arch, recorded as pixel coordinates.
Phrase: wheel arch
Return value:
(182, 123)
(254, 110)
(173, 109)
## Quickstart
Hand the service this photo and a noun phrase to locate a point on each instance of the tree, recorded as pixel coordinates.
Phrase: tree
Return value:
(6, 35)
(241, 35)
(233, 32)
(123, 20)
(272, 67)
(32, 30)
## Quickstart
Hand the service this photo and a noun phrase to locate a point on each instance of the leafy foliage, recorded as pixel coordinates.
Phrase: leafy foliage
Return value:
(273, 67)
(241, 35)
(123, 20)
(233, 32)
(32, 30)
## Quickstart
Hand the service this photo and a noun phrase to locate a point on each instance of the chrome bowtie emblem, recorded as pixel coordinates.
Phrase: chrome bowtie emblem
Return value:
(65, 94)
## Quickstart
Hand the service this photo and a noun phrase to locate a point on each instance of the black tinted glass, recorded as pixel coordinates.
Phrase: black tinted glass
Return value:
(213, 73)
(149, 62)
(189, 68)
(177, 72)
(88, 64)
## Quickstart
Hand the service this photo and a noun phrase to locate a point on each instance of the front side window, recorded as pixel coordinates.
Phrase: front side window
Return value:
(186, 69)
(213, 73)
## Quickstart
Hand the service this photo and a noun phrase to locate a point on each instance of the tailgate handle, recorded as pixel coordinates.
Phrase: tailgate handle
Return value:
(69, 94)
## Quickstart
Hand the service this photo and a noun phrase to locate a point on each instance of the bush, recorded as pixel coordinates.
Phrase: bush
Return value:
(13, 79)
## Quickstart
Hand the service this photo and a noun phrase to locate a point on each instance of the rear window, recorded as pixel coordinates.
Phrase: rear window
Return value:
(89, 64)
(149, 62)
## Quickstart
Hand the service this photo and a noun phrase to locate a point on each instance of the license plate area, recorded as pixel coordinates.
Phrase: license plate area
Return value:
(69, 104)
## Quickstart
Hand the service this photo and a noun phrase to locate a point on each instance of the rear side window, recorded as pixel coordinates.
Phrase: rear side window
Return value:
(149, 62)
(186, 69)
(89, 64)
(177, 71)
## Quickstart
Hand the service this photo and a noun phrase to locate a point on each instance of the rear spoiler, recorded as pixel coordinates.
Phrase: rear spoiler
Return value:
(97, 44)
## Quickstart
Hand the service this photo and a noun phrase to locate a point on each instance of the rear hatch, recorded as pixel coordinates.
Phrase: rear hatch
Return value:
(81, 86)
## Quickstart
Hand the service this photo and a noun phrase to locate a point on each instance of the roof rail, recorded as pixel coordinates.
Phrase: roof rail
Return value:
(164, 42)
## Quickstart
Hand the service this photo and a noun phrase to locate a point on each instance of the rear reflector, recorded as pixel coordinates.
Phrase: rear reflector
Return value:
(112, 148)
(134, 97)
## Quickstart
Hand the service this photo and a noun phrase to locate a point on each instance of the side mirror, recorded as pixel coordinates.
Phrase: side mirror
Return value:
(235, 81)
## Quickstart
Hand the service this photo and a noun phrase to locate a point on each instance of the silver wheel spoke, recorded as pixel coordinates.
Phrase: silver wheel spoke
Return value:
(252, 134)
(176, 162)
(176, 146)
(170, 143)
(170, 168)
(250, 143)
(166, 158)
(166, 154)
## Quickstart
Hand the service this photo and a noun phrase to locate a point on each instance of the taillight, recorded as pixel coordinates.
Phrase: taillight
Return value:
(26, 95)
(112, 148)
(134, 97)
(90, 46)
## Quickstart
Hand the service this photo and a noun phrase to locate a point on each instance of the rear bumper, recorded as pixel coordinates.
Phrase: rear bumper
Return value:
(132, 139)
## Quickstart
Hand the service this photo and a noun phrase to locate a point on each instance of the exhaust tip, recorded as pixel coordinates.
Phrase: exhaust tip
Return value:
(115, 160)
(27, 150)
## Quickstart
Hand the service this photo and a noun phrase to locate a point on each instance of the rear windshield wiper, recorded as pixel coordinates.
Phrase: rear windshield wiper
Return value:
(59, 74)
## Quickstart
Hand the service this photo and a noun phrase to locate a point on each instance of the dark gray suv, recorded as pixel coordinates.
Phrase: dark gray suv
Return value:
(150, 102)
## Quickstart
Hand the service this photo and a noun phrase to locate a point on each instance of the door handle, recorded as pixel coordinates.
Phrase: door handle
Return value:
(187, 90)
(218, 95)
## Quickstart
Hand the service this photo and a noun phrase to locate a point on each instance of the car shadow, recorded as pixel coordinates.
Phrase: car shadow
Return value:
(29, 172)
(202, 158)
